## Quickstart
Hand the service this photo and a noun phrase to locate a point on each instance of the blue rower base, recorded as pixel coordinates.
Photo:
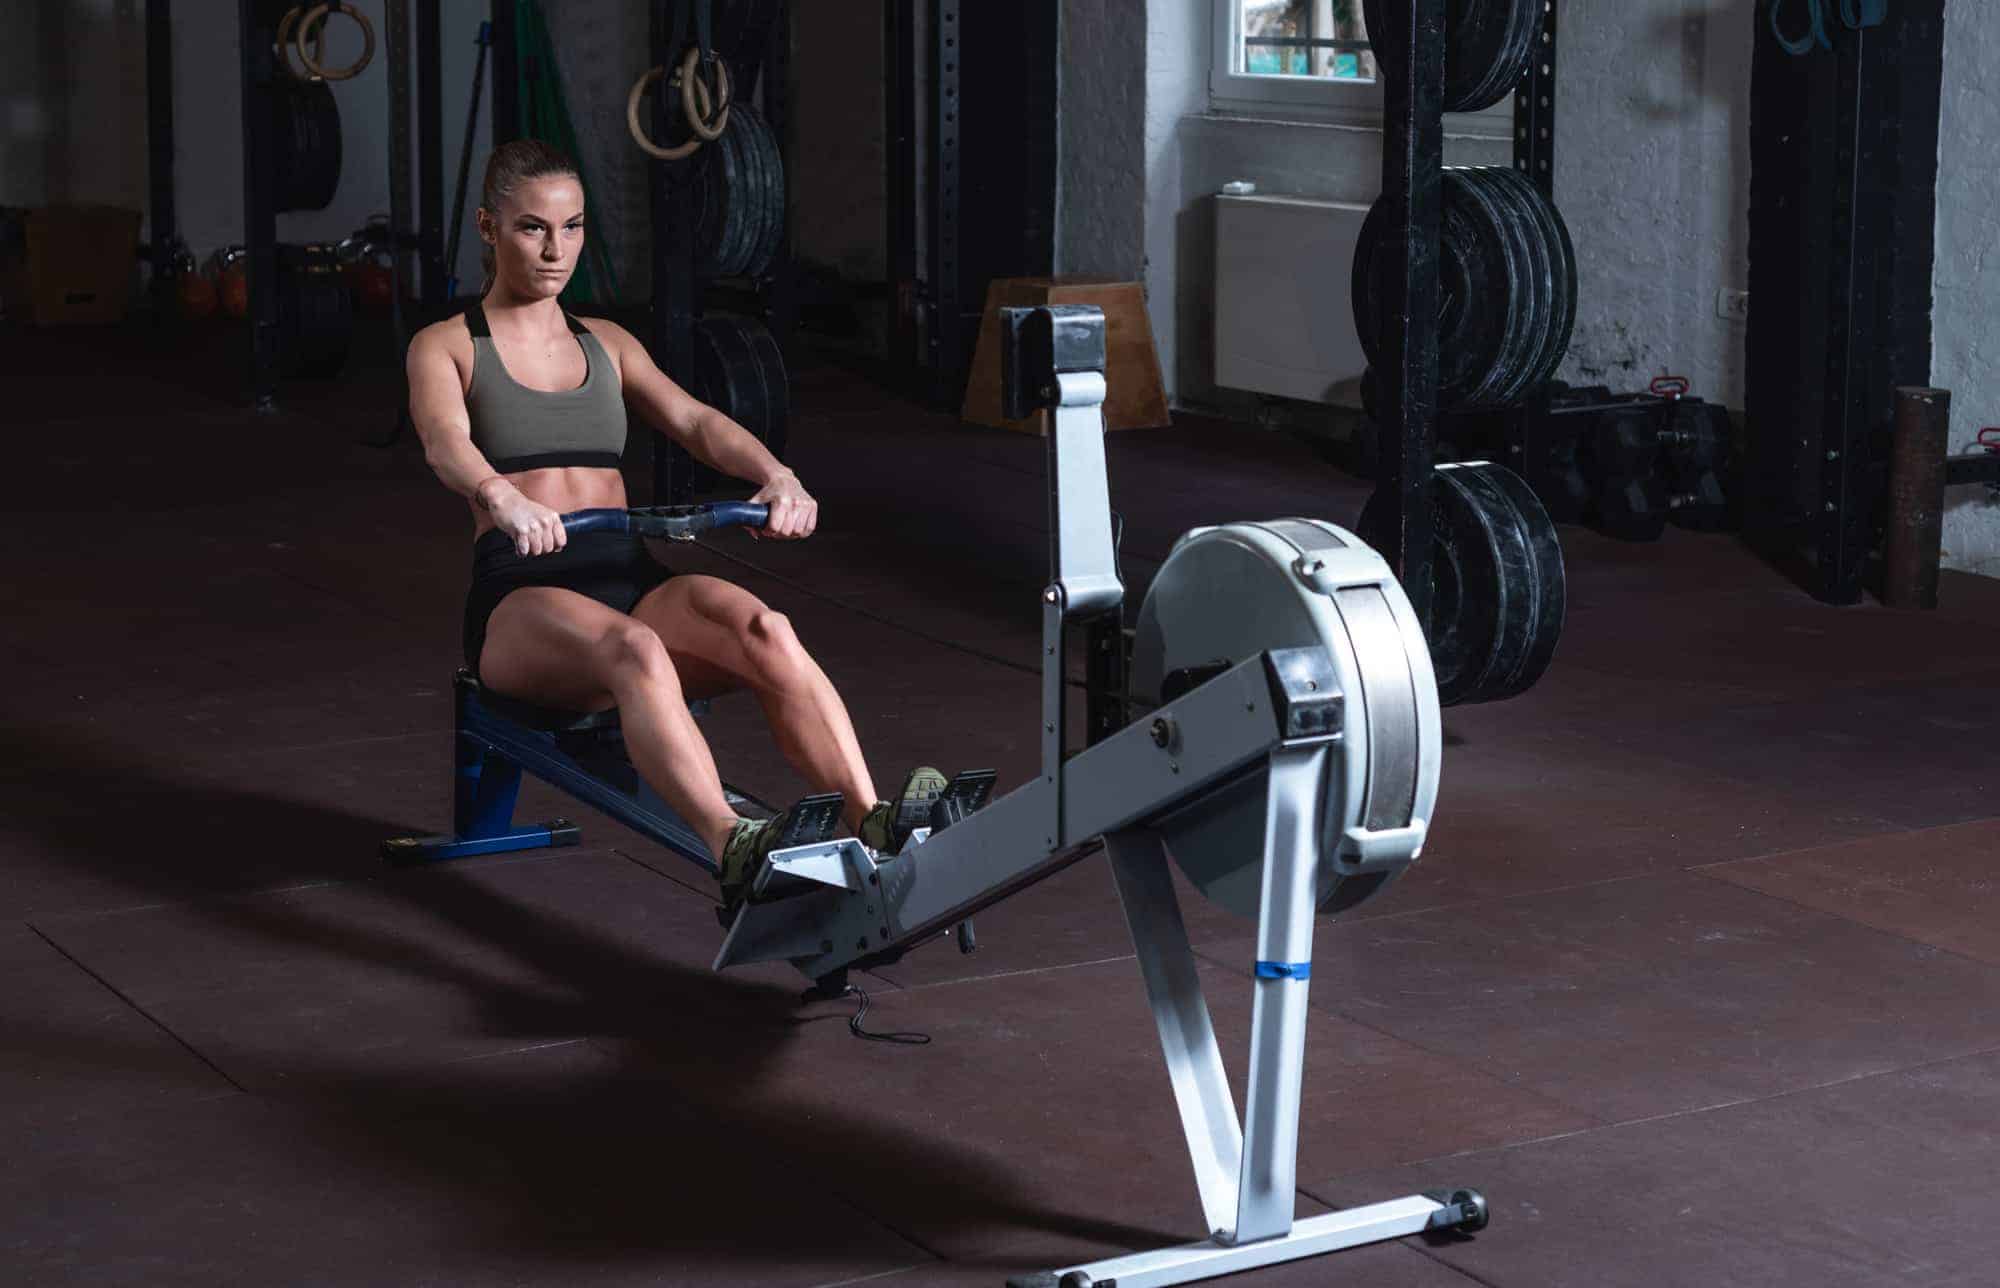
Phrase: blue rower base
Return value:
(497, 738)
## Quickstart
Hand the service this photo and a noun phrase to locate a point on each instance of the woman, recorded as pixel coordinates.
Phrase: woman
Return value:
(522, 410)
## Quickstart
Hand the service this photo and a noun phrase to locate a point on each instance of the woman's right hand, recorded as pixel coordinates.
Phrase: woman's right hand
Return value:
(535, 528)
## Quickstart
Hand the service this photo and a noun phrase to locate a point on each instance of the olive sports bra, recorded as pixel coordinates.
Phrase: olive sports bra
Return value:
(517, 428)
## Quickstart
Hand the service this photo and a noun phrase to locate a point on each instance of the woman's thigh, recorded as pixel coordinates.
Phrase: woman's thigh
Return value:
(705, 623)
(540, 644)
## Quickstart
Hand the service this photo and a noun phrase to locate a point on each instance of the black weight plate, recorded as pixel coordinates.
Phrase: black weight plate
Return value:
(315, 311)
(777, 386)
(1538, 597)
(1467, 590)
(1561, 253)
(308, 145)
(1507, 63)
(727, 377)
(727, 174)
(745, 203)
(1472, 267)
(706, 184)
(780, 194)
(1497, 585)
(723, 199)
(1521, 302)
(771, 190)
(1532, 300)
(1487, 49)
(750, 144)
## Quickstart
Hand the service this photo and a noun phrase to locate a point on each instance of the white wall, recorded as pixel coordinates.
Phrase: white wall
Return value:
(1653, 174)
(1966, 358)
(1101, 175)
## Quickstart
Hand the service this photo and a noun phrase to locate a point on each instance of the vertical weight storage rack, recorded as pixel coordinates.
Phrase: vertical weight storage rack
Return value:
(1412, 185)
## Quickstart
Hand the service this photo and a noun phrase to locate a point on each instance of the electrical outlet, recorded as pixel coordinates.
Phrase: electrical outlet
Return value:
(1732, 304)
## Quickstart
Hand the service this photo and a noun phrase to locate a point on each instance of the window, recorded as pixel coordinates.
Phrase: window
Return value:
(1312, 59)
(1304, 52)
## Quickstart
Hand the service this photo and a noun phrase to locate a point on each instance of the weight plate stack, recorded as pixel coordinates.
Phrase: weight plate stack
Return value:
(308, 144)
(1489, 45)
(769, 191)
(740, 371)
(1527, 292)
(1498, 589)
(1507, 288)
(315, 311)
(1560, 254)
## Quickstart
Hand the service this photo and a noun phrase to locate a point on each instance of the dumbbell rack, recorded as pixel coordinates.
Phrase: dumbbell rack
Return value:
(1412, 184)
(757, 52)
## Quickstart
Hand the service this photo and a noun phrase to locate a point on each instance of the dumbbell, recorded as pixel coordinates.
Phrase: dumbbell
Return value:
(1636, 507)
(1565, 488)
(1632, 442)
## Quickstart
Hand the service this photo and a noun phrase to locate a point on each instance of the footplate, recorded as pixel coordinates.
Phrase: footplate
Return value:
(964, 795)
(811, 821)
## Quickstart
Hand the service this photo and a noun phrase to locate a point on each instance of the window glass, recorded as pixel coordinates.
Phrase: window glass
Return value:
(1303, 40)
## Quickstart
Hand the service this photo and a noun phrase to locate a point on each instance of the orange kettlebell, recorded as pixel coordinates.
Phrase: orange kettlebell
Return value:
(197, 295)
(232, 280)
(373, 285)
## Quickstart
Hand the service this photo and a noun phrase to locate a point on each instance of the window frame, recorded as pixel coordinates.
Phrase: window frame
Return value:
(1317, 99)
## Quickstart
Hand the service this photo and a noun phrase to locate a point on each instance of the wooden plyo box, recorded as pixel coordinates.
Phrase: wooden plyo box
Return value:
(1134, 396)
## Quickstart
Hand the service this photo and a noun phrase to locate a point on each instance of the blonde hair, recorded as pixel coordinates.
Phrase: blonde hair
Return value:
(512, 164)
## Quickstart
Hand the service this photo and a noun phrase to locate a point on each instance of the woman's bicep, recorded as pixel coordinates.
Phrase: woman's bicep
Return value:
(648, 390)
(437, 392)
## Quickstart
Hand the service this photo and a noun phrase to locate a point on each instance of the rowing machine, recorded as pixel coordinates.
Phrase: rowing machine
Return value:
(1285, 755)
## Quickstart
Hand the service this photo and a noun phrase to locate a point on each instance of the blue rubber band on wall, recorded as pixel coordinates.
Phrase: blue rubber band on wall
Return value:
(1284, 970)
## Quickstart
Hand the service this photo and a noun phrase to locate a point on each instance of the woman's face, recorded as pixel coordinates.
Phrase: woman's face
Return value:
(536, 236)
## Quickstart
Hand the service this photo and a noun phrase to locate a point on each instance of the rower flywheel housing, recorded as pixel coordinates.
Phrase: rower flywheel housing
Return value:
(1226, 595)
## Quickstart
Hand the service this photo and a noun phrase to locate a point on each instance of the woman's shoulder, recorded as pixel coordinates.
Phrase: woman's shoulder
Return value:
(608, 333)
(450, 337)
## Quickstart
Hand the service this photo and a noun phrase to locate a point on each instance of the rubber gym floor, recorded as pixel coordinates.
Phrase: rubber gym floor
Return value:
(1699, 978)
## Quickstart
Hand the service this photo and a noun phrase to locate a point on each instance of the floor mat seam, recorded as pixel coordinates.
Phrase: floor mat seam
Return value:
(149, 1017)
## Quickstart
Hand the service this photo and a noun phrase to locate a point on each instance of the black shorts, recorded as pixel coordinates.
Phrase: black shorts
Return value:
(613, 568)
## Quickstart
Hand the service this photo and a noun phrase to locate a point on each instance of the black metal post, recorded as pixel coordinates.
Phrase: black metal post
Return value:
(781, 302)
(1412, 183)
(674, 252)
(1535, 110)
(430, 159)
(506, 75)
(942, 332)
(1842, 536)
(1842, 216)
(256, 32)
(899, 35)
(160, 151)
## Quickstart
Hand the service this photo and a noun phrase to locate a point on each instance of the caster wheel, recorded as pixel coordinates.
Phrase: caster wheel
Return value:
(1473, 1204)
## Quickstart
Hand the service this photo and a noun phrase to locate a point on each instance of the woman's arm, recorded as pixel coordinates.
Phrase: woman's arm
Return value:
(437, 409)
(708, 435)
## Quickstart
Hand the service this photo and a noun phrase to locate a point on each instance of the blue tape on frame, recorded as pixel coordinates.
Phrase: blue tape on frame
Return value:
(1284, 970)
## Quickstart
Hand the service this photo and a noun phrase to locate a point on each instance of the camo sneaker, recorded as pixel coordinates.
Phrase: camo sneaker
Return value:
(889, 824)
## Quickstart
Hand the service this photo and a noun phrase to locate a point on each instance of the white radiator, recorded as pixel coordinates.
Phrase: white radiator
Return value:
(1283, 321)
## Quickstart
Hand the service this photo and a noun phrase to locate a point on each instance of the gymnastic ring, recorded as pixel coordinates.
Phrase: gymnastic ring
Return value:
(692, 89)
(320, 13)
(281, 48)
(646, 145)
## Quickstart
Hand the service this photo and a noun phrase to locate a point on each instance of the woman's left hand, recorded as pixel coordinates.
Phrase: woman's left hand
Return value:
(794, 514)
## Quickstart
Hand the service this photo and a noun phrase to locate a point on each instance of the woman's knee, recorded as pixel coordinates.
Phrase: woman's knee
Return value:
(773, 648)
(631, 652)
